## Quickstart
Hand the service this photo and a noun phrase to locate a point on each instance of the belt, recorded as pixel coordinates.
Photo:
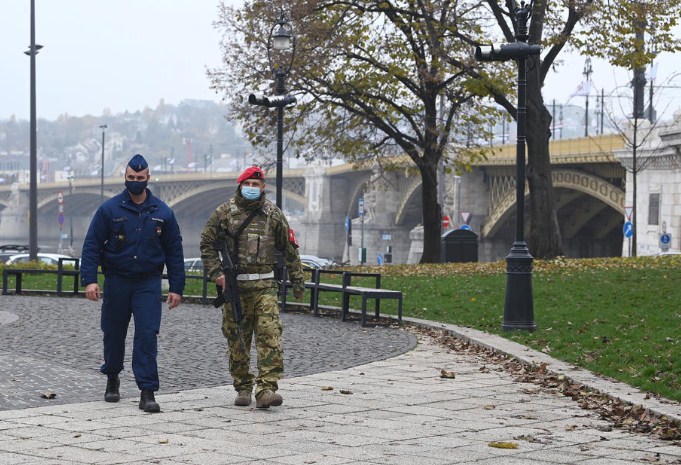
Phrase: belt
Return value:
(254, 276)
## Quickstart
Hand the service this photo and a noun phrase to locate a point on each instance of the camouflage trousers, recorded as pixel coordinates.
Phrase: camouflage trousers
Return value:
(260, 319)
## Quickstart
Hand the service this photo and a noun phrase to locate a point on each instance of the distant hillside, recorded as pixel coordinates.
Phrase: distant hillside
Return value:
(190, 135)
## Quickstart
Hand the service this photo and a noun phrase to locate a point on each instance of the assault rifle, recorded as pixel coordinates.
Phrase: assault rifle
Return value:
(230, 294)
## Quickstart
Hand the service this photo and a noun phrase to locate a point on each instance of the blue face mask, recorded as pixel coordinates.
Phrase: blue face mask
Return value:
(250, 193)
(135, 187)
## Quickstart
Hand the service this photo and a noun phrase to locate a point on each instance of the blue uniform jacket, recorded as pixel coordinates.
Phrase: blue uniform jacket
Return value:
(134, 241)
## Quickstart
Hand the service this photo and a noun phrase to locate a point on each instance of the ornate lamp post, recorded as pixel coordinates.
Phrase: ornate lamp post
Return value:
(518, 309)
(280, 40)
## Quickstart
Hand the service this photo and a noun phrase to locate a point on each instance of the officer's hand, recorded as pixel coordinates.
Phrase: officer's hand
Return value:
(92, 291)
(298, 294)
(220, 281)
(173, 300)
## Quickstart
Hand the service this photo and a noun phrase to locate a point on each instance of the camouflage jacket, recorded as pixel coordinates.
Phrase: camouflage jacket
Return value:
(253, 251)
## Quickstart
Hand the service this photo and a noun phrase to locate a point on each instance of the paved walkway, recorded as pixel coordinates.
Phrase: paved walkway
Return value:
(55, 344)
(396, 410)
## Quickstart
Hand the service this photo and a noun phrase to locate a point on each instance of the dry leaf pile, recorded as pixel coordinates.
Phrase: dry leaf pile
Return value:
(623, 415)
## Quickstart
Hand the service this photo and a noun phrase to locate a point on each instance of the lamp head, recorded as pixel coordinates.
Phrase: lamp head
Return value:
(282, 38)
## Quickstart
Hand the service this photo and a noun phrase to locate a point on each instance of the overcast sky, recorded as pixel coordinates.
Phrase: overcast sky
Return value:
(117, 54)
(129, 54)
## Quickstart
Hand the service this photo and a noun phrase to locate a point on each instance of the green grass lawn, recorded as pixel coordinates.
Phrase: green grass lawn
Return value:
(618, 317)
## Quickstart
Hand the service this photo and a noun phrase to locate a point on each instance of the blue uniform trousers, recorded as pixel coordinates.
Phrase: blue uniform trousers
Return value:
(141, 299)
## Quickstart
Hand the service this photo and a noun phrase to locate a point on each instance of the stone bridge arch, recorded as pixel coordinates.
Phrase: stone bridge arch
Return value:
(585, 183)
(410, 194)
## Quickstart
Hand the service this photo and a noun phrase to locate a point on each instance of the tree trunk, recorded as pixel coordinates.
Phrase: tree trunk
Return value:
(545, 241)
(432, 214)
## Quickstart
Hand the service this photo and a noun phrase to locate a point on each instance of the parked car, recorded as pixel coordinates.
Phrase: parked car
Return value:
(47, 258)
(193, 265)
(8, 250)
(313, 261)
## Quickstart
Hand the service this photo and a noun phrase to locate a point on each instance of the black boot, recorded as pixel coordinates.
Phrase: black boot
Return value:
(148, 403)
(112, 384)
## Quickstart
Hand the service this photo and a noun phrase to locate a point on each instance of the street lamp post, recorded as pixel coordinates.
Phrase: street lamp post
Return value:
(587, 88)
(33, 162)
(101, 191)
(518, 309)
(281, 39)
(70, 209)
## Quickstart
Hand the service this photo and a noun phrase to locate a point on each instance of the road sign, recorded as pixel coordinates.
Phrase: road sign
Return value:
(628, 229)
(60, 218)
(466, 216)
(360, 206)
(665, 241)
(445, 222)
(465, 227)
(61, 208)
(60, 197)
(347, 224)
(628, 211)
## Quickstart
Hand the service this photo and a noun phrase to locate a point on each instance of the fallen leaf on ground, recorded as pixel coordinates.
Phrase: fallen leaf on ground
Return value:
(163, 441)
(327, 388)
(345, 391)
(503, 445)
(48, 395)
(447, 374)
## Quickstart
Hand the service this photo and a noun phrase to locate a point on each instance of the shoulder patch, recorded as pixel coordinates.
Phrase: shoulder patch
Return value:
(292, 238)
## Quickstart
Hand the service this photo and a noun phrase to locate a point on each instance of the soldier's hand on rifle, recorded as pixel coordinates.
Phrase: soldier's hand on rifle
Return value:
(220, 281)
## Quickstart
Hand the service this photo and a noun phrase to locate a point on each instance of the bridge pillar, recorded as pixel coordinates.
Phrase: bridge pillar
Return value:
(473, 190)
(322, 230)
(14, 218)
(381, 203)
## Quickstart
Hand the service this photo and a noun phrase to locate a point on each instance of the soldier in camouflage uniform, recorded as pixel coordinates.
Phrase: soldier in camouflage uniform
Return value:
(253, 252)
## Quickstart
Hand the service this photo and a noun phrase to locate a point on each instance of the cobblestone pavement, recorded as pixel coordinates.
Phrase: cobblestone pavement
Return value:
(55, 344)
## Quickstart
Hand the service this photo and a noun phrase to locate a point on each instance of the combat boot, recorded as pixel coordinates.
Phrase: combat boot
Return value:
(268, 399)
(148, 403)
(243, 399)
(112, 384)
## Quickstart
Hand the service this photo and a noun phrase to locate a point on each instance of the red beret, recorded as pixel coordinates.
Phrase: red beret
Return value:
(252, 172)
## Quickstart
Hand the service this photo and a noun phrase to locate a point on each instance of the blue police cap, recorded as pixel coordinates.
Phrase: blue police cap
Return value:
(138, 163)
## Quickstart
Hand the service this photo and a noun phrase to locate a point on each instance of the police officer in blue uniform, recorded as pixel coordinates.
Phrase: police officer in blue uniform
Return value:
(132, 236)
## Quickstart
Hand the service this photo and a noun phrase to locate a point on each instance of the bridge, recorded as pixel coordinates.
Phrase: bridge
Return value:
(588, 178)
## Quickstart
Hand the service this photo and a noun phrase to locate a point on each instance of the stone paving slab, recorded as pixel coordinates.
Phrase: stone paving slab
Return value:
(356, 396)
(394, 411)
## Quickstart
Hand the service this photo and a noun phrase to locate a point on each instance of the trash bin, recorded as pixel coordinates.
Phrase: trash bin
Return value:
(459, 245)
